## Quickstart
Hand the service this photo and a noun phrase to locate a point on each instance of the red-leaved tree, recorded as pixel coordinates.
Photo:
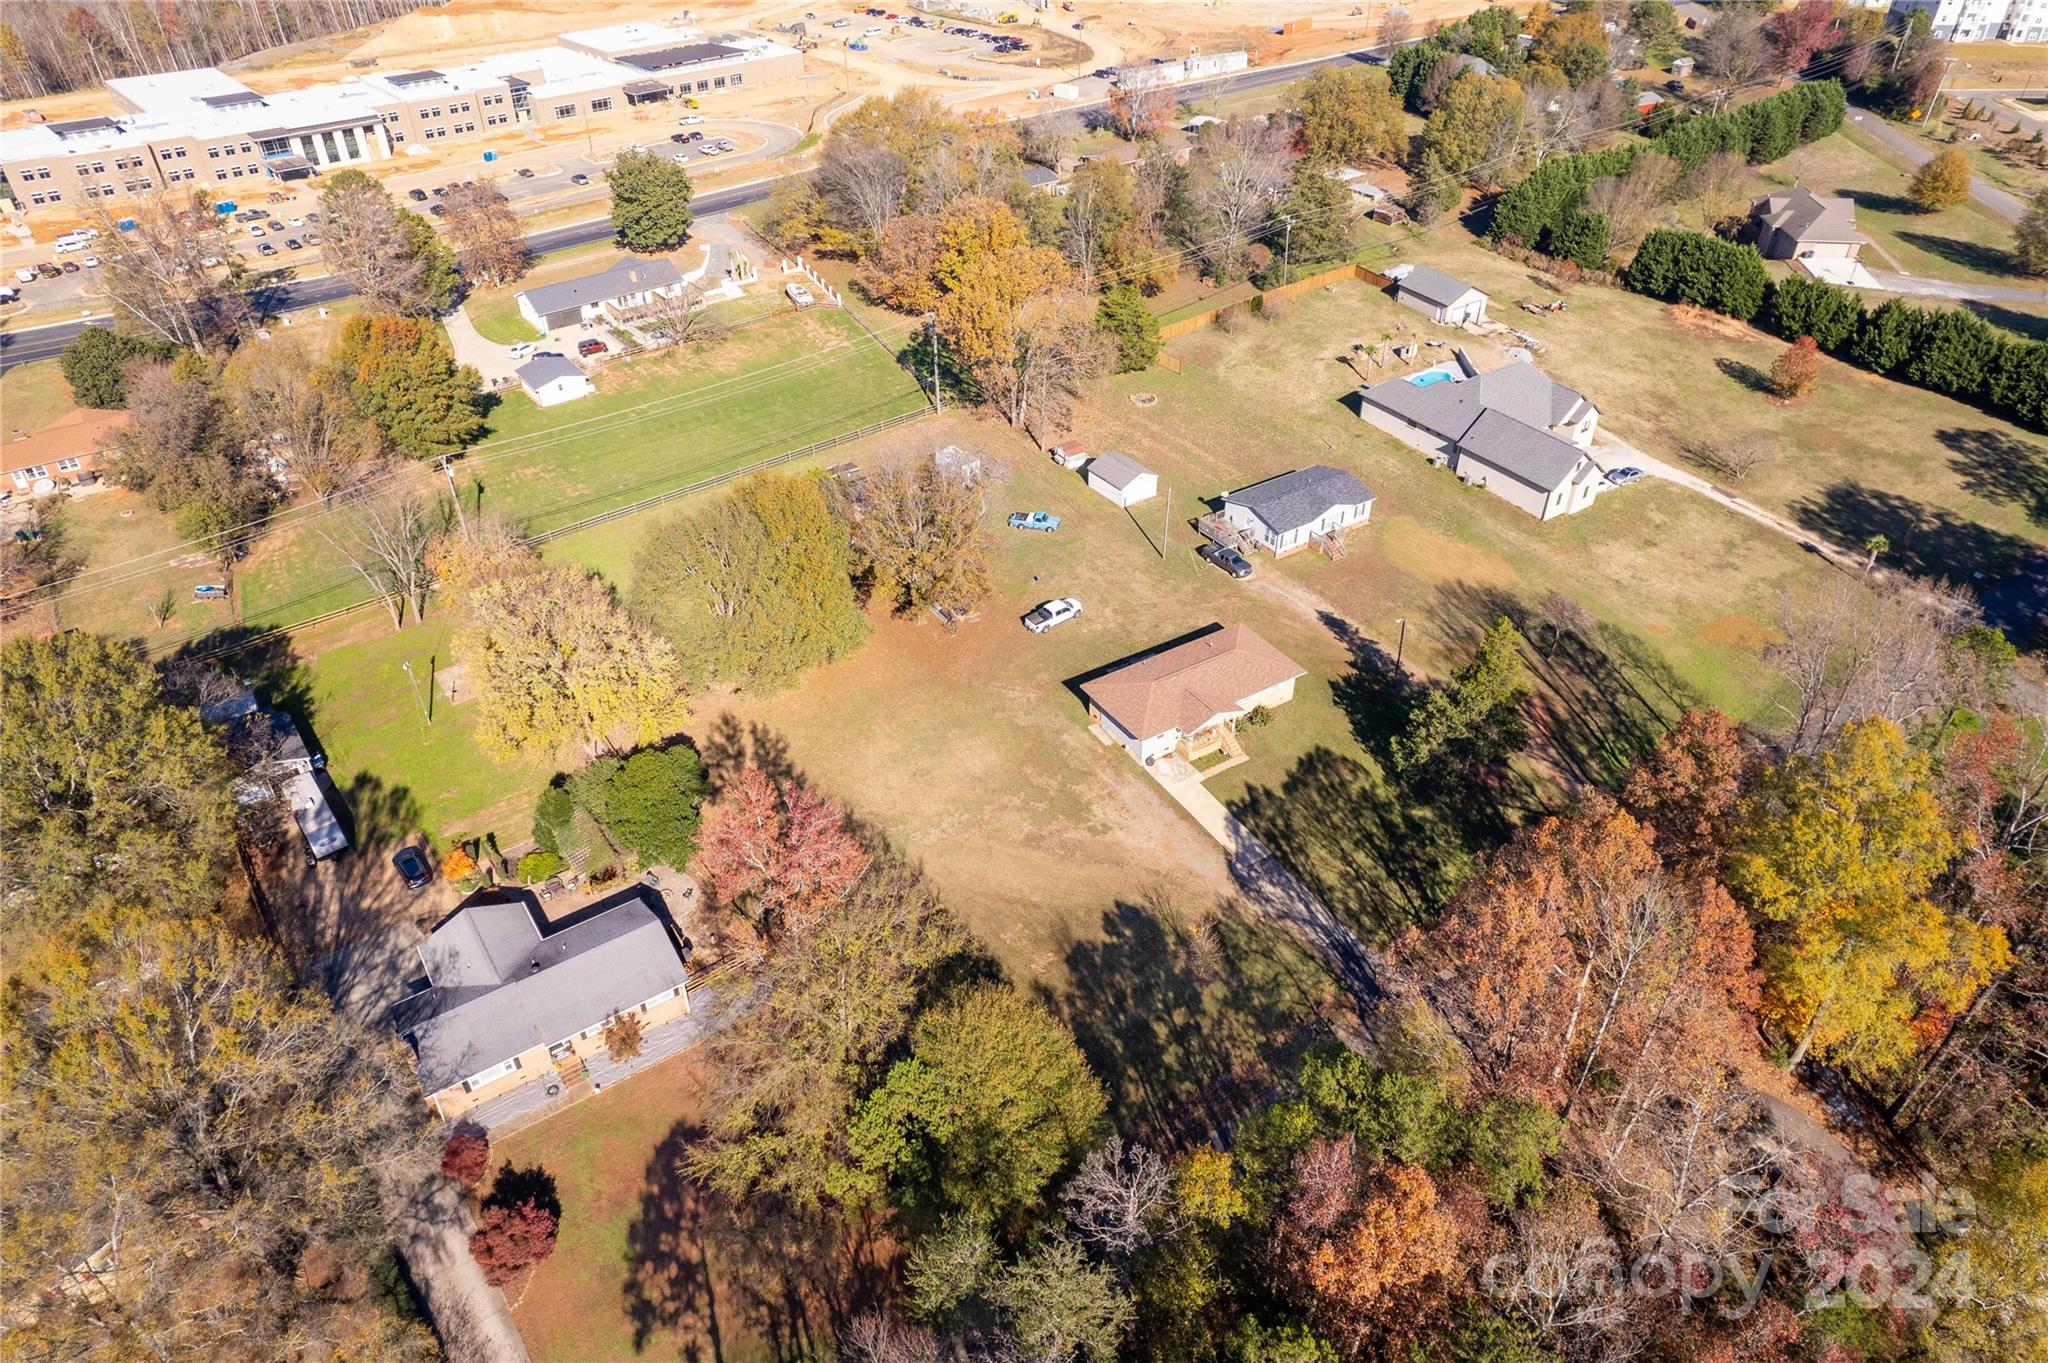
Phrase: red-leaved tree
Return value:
(512, 1238)
(1686, 789)
(466, 1157)
(777, 852)
(1795, 372)
(1808, 27)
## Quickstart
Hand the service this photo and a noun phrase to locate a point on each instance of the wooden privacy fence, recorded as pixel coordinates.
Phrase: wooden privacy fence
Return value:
(1314, 281)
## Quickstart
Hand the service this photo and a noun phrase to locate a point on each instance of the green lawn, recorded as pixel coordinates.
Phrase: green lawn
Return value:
(32, 396)
(655, 424)
(97, 535)
(495, 315)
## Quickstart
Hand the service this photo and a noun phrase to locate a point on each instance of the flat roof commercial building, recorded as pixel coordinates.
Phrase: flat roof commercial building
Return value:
(206, 129)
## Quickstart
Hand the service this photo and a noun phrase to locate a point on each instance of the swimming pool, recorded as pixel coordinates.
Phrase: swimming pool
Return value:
(1429, 376)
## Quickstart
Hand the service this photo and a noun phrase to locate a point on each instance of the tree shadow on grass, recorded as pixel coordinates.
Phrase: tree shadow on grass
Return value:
(729, 746)
(2027, 324)
(1185, 1022)
(1925, 541)
(2001, 468)
(515, 1186)
(1748, 375)
(1970, 255)
(755, 1275)
(1875, 201)
(1603, 697)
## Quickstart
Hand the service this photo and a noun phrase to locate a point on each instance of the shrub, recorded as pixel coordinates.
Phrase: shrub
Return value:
(1258, 717)
(623, 1036)
(511, 1238)
(651, 801)
(1692, 267)
(95, 365)
(552, 817)
(1797, 370)
(458, 865)
(535, 867)
(1808, 307)
(1943, 181)
(1123, 317)
(466, 1157)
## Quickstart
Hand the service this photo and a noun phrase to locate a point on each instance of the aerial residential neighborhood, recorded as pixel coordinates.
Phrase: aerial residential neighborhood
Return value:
(1162, 682)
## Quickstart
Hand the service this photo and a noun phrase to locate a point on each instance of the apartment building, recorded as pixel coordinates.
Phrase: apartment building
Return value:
(1976, 21)
(205, 129)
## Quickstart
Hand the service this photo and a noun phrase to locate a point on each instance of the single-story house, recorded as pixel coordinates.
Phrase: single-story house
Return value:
(1797, 223)
(628, 284)
(1365, 195)
(552, 379)
(1122, 479)
(508, 999)
(61, 452)
(277, 764)
(1044, 180)
(1514, 431)
(1284, 514)
(1439, 297)
(1187, 699)
(1478, 66)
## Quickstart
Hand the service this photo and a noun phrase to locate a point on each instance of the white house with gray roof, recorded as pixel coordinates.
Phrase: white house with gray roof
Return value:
(1514, 431)
(1439, 297)
(553, 379)
(509, 1000)
(1284, 514)
(626, 285)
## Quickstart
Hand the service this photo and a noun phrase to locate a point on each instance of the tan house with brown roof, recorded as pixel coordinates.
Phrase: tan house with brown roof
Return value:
(60, 452)
(1186, 700)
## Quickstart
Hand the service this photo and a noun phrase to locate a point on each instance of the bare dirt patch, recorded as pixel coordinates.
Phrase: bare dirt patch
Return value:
(1414, 549)
(1737, 631)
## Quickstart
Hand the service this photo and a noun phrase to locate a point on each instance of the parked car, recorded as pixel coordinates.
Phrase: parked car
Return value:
(1623, 477)
(210, 591)
(274, 225)
(70, 267)
(1043, 521)
(409, 864)
(525, 172)
(90, 262)
(690, 120)
(209, 261)
(265, 249)
(438, 210)
(798, 294)
(26, 275)
(523, 350)
(49, 271)
(255, 230)
(418, 196)
(579, 179)
(708, 149)
(1228, 559)
(295, 222)
(593, 346)
(694, 137)
(312, 238)
(1052, 613)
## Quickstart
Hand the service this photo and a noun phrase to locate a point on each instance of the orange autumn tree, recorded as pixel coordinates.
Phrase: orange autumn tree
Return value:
(778, 852)
(1576, 953)
(1370, 1262)
(1687, 788)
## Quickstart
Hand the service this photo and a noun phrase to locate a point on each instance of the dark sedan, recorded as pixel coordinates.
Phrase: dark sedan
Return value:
(410, 864)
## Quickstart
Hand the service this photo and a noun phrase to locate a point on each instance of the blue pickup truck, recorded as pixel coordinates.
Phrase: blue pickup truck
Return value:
(1043, 521)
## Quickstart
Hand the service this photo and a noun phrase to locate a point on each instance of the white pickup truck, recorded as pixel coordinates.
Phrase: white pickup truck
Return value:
(1052, 613)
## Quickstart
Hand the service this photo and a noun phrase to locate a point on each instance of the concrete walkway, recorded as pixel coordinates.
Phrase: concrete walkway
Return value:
(1914, 285)
(1274, 890)
(1917, 153)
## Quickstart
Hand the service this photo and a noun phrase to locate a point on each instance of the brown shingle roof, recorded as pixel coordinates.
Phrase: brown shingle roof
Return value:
(75, 435)
(1187, 685)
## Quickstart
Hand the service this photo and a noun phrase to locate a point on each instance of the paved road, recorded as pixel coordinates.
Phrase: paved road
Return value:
(42, 343)
(1915, 151)
(1889, 282)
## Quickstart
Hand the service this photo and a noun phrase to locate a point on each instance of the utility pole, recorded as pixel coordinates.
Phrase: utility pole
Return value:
(425, 713)
(1400, 644)
(1287, 252)
(1166, 530)
(938, 393)
(1936, 105)
(448, 467)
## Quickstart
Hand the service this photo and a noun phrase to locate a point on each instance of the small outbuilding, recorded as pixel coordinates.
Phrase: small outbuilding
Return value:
(553, 379)
(1286, 513)
(1122, 479)
(1439, 297)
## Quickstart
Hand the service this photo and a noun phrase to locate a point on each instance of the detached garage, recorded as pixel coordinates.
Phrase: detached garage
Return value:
(1439, 297)
(552, 379)
(1122, 479)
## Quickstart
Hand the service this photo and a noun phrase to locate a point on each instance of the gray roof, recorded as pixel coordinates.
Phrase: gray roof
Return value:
(1465, 61)
(1038, 176)
(1447, 410)
(1533, 456)
(626, 277)
(1433, 286)
(1805, 216)
(544, 369)
(499, 987)
(1299, 498)
(689, 54)
(1118, 470)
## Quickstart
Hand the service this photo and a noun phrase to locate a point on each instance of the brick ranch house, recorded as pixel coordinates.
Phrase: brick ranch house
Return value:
(1186, 700)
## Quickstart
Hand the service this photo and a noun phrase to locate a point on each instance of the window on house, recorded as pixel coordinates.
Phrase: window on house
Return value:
(720, 82)
(703, 85)
(67, 466)
(565, 111)
(598, 106)
(737, 78)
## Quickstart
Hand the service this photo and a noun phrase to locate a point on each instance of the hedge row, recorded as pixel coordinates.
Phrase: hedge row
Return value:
(1535, 210)
(1948, 351)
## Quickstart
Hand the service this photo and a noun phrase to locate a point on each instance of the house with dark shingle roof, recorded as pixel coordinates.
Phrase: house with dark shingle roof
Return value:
(1284, 514)
(1798, 223)
(628, 284)
(1186, 700)
(508, 999)
(1514, 431)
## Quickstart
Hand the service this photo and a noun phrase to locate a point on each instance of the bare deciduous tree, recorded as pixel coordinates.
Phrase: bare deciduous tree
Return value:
(154, 277)
(1854, 650)
(672, 320)
(304, 405)
(1048, 138)
(1059, 349)
(1120, 1199)
(917, 528)
(1734, 48)
(385, 538)
(874, 1338)
(370, 245)
(1734, 456)
(1240, 169)
(864, 183)
(485, 232)
(1719, 185)
(1631, 200)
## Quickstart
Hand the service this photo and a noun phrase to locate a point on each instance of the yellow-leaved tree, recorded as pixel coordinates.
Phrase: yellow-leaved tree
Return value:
(1835, 856)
